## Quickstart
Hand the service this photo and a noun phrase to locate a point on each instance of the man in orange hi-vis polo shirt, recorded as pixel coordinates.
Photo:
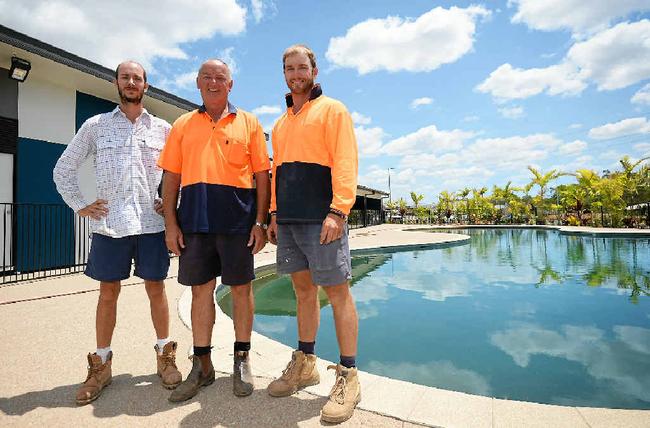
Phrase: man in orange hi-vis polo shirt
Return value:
(314, 188)
(212, 154)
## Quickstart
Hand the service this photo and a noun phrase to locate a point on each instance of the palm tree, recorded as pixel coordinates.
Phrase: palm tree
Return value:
(446, 202)
(542, 180)
(416, 198)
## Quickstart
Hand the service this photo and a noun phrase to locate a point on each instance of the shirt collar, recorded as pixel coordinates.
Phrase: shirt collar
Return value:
(145, 115)
(231, 108)
(316, 92)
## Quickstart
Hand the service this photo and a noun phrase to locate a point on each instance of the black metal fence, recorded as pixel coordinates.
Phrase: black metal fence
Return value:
(41, 240)
(365, 218)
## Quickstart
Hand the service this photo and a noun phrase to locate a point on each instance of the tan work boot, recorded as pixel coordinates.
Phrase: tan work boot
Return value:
(167, 369)
(344, 396)
(195, 380)
(99, 376)
(299, 373)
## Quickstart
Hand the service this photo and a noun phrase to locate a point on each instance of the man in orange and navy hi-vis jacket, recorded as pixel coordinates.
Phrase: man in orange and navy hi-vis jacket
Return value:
(314, 187)
(212, 154)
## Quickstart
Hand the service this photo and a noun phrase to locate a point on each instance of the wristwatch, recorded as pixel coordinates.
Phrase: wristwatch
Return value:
(264, 226)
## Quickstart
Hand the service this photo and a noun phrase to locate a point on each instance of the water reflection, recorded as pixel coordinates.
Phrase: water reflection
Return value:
(531, 315)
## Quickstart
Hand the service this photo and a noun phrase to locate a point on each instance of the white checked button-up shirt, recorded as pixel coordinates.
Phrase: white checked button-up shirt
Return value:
(125, 156)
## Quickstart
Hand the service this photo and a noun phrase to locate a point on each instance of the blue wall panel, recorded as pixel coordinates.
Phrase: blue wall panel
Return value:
(44, 232)
(88, 106)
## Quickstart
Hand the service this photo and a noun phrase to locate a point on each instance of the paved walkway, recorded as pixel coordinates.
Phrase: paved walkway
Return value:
(47, 327)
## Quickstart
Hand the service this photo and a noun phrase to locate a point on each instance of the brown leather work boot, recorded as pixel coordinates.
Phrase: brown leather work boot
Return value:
(195, 380)
(167, 369)
(299, 373)
(99, 377)
(242, 378)
(344, 396)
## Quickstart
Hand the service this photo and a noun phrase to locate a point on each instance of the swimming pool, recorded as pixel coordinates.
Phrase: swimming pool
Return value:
(522, 314)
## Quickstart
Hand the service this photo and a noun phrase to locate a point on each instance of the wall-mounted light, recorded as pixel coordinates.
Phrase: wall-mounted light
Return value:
(19, 69)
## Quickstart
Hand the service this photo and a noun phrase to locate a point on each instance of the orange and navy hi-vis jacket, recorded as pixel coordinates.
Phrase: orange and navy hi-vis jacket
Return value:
(216, 161)
(315, 161)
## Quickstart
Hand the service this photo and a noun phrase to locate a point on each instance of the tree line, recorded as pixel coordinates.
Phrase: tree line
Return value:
(612, 198)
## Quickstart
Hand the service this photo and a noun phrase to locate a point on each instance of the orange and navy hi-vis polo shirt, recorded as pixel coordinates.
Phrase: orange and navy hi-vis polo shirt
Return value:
(216, 161)
(315, 161)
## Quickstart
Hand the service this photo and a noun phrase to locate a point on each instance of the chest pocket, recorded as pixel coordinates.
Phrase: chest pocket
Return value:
(237, 153)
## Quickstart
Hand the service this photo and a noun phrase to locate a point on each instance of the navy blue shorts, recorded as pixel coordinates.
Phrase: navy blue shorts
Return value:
(209, 255)
(110, 258)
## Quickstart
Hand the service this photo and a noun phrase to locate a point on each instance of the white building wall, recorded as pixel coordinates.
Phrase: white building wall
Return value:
(46, 111)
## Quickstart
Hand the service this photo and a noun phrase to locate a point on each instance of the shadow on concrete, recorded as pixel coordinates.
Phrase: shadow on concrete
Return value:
(144, 396)
(220, 407)
(137, 396)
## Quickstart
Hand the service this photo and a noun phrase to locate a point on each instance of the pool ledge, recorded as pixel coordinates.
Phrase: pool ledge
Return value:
(566, 230)
(402, 400)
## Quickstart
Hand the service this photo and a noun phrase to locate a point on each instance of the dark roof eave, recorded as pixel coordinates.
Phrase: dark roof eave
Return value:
(37, 47)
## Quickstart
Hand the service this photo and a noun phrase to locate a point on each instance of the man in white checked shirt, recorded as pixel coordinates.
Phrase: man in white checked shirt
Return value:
(125, 145)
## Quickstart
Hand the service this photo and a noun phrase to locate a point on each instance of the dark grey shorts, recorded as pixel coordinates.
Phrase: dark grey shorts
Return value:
(299, 249)
(209, 255)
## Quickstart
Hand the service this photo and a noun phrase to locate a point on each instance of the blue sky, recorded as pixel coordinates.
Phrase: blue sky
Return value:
(450, 94)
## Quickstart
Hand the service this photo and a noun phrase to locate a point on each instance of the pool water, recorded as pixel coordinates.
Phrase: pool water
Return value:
(522, 314)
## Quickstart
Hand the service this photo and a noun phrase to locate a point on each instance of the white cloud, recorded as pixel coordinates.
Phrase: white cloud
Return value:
(225, 55)
(613, 59)
(514, 112)
(261, 8)
(575, 126)
(603, 359)
(369, 140)
(578, 16)
(418, 102)
(642, 147)
(573, 148)
(512, 152)
(642, 96)
(123, 29)
(635, 125)
(185, 81)
(472, 118)
(360, 119)
(443, 374)
(508, 83)
(427, 140)
(440, 36)
(265, 109)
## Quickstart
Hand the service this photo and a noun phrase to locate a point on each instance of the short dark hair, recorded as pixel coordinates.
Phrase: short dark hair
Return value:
(292, 50)
(144, 72)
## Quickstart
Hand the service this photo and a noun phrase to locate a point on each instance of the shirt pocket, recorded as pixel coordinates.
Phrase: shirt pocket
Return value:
(238, 153)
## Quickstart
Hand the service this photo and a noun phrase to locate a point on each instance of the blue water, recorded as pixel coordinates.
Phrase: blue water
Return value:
(521, 314)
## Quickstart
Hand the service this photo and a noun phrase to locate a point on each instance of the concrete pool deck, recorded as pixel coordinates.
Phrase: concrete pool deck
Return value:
(48, 327)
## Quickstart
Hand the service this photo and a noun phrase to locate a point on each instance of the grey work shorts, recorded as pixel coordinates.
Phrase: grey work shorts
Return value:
(299, 248)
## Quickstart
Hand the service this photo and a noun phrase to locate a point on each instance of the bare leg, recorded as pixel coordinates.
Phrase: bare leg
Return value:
(243, 308)
(106, 312)
(308, 308)
(159, 307)
(203, 313)
(345, 317)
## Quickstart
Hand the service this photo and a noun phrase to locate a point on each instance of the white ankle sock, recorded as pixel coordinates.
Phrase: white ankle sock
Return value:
(161, 344)
(103, 353)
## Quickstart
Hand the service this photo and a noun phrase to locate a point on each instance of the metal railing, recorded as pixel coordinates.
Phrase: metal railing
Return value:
(41, 240)
(364, 218)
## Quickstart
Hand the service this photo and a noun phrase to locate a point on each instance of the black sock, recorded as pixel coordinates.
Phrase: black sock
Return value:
(242, 346)
(349, 362)
(306, 347)
(202, 350)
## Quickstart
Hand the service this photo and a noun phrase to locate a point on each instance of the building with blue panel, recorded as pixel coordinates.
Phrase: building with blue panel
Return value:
(38, 118)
